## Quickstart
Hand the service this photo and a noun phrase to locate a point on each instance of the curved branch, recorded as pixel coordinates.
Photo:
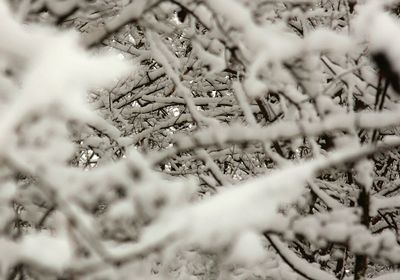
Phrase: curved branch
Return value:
(296, 263)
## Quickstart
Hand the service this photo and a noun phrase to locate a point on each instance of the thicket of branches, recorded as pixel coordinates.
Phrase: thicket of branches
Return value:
(187, 139)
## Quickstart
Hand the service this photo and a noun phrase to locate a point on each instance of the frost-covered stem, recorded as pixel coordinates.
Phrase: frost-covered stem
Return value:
(338, 77)
(131, 13)
(46, 215)
(244, 104)
(298, 265)
(364, 201)
(361, 263)
(212, 166)
(390, 225)
(340, 265)
(162, 55)
(329, 201)
(49, 190)
(189, 11)
(277, 158)
(17, 272)
(139, 251)
(251, 120)
(264, 112)
(380, 101)
(187, 143)
(282, 130)
(360, 267)
(151, 78)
